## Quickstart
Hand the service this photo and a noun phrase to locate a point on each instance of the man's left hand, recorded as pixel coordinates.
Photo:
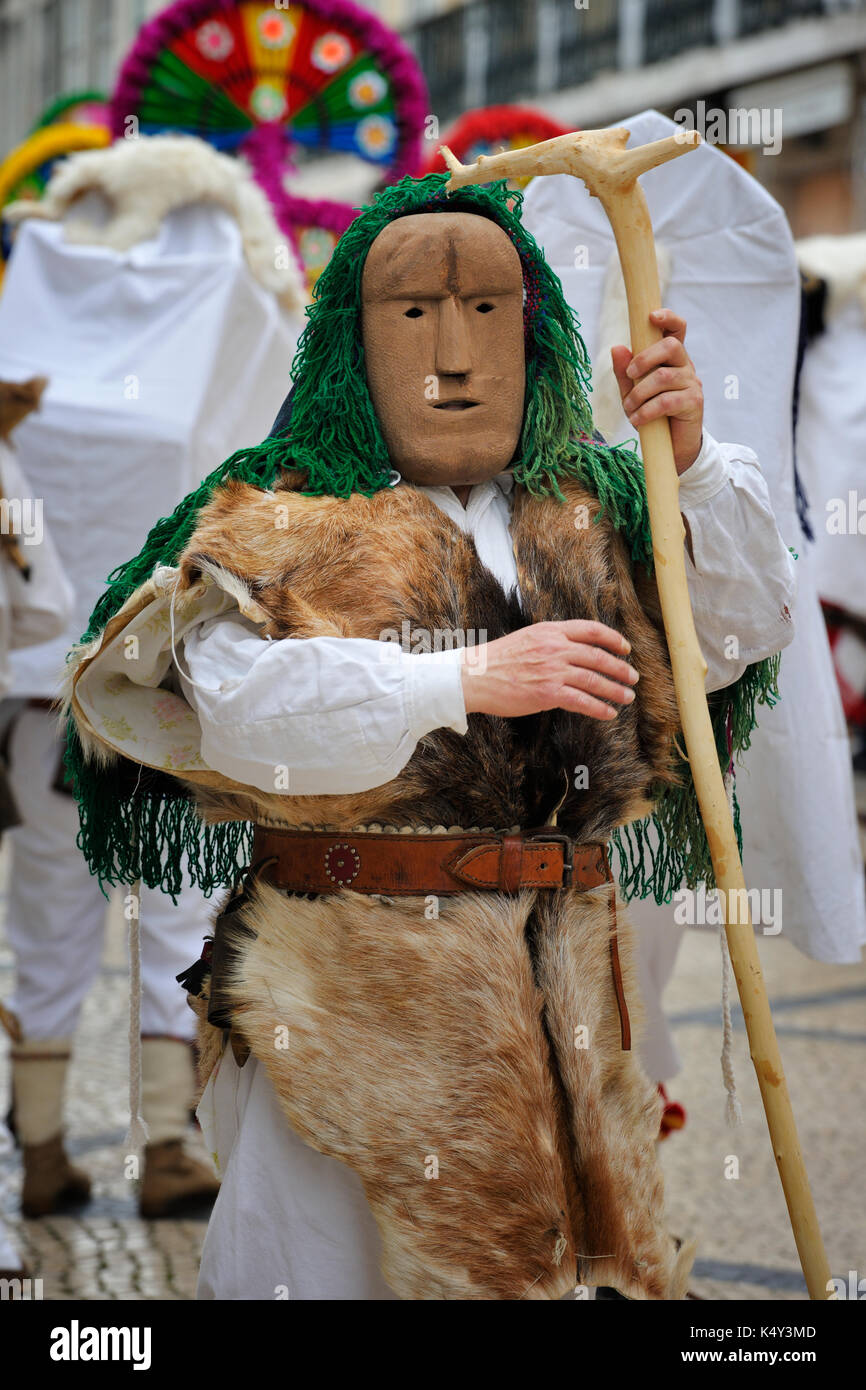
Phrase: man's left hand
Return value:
(661, 380)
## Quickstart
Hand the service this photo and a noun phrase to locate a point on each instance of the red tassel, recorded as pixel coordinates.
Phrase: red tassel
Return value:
(673, 1115)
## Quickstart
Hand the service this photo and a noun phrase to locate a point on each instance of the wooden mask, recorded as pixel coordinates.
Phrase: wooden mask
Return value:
(442, 324)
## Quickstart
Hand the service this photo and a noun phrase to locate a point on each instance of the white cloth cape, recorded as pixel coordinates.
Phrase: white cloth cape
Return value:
(734, 279)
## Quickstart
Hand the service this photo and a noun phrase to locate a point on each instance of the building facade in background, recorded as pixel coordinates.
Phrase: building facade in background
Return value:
(49, 47)
(592, 62)
(586, 62)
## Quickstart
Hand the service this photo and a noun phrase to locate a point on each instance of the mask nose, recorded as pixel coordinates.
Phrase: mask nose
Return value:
(453, 357)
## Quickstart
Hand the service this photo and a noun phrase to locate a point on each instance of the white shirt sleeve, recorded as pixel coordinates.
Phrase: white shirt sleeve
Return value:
(742, 581)
(315, 715)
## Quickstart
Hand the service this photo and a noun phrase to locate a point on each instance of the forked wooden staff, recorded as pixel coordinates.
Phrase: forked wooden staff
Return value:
(610, 172)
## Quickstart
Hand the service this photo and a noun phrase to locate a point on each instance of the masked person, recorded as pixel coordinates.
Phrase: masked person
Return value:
(36, 604)
(142, 284)
(414, 637)
(830, 443)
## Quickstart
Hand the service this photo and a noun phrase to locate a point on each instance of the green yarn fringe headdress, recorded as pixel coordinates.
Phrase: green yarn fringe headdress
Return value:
(144, 826)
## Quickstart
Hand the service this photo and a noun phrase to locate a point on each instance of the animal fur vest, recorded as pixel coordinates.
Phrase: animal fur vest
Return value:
(467, 1066)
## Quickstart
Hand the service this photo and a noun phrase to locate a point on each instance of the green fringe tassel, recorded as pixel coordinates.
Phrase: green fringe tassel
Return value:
(143, 826)
(149, 837)
(669, 848)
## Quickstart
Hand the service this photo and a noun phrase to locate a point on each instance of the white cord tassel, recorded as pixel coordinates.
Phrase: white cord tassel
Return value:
(733, 1108)
(136, 1136)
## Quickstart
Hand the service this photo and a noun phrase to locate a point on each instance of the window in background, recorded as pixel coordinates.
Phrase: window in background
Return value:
(756, 15)
(441, 51)
(513, 51)
(588, 39)
(73, 45)
(51, 49)
(672, 26)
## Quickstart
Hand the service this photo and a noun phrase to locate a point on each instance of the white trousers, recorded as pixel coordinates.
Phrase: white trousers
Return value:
(55, 912)
(657, 941)
(288, 1223)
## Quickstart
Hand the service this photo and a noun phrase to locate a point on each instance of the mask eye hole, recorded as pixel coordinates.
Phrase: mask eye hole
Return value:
(484, 308)
(413, 313)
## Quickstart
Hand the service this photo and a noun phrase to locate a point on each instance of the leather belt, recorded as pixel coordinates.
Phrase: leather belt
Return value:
(400, 865)
(394, 865)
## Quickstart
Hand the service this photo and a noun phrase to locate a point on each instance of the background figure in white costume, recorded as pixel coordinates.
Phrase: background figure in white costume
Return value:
(167, 333)
(728, 266)
(32, 610)
(831, 452)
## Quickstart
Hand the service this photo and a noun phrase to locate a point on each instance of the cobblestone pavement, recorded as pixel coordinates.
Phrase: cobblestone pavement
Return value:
(105, 1251)
(745, 1245)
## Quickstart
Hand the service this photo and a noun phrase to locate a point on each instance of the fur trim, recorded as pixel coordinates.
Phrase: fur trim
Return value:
(210, 1041)
(841, 262)
(238, 588)
(145, 179)
(438, 1060)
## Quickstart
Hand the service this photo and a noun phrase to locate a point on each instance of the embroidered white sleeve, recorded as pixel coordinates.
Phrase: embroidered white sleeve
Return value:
(742, 580)
(318, 715)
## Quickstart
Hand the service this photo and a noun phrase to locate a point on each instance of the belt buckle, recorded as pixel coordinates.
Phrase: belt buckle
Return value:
(568, 850)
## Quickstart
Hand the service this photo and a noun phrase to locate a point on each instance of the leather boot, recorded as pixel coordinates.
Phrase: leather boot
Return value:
(173, 1176)
(50, 1180)
(38, 1082)
(174, 1179)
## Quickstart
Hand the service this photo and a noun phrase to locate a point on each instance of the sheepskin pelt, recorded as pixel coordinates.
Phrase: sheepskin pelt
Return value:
(468, 1068)
(144, 179)
(394, 563)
